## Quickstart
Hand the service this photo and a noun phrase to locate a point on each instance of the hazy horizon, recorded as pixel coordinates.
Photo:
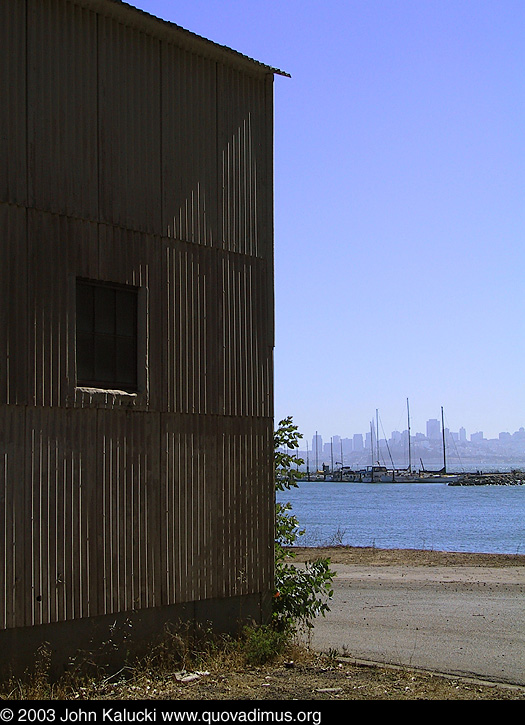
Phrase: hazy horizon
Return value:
(399, 205)
(385, 433)
(385, 429)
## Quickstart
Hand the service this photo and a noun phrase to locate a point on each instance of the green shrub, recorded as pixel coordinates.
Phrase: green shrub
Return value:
(262, 644)
(301, 593)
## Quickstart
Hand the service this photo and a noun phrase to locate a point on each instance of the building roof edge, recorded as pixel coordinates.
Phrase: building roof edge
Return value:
(126, 12)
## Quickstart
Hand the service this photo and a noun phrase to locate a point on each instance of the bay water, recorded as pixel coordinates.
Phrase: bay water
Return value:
(433, 516)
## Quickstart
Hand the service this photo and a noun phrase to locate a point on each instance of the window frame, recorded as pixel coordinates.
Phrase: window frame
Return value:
(113, 338)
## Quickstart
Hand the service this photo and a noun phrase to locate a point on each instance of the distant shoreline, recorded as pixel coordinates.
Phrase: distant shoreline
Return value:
(372, 556)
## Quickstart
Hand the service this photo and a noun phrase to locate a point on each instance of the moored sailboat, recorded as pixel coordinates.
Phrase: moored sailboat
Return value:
(442, 475)
(376, 473)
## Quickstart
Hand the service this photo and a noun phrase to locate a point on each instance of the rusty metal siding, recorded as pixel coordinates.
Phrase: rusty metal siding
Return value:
(109, 511)
(218, 525)
(205, 315)
(219, 342)
(246, 353)
(62, 108)
(56, 582)
(13, 524)
(45, 533)
(13, 118)
(216, 174)
(190, 535)
(189, 277)
(242, 151)
(129, 127)
(189, 147)
(50, 294)
(147, 164)
(247, 467)
(15, 379)
(129, 518)
(39, 330)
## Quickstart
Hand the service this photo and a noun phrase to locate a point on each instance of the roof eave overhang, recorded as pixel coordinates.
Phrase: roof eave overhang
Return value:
(167, 30)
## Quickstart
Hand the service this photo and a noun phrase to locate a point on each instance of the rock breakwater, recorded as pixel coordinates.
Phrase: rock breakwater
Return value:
(512, 478)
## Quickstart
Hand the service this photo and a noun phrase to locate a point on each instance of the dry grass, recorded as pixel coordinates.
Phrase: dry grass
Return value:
(220, 671)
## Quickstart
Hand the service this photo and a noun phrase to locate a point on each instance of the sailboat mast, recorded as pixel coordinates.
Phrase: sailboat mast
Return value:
(409, 450)
(307, 462)
(377, 435)
(444, 449)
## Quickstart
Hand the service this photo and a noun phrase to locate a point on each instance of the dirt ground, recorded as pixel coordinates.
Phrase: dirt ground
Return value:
(306, 675)
(369, 556)
(310, 677)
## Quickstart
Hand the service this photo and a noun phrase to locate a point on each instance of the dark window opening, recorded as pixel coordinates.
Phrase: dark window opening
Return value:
(106, 332)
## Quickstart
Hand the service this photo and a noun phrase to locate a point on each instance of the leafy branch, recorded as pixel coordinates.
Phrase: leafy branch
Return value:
(301, 594)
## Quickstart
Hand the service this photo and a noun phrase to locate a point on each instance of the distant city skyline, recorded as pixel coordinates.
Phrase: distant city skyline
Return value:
(434, 433)
(507, 450)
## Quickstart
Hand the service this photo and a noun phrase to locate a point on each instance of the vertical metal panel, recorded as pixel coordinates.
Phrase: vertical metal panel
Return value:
(189, 147)
(128, 447)
(13, 522)
(100, 535)
(215, 146)
(54, 578)
(187, 277)
(13, 149)
(60, 248)
(267, 213)
(129, 127)
(246, 502)
(246, 353)
(189, 542)
(48, 301)
(219, 353)
(15, 379)
(62, 108)
(80, 536)
(218, 503)
(242, 118)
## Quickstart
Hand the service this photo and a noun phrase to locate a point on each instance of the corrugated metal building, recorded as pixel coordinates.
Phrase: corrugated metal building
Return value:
(136, 325)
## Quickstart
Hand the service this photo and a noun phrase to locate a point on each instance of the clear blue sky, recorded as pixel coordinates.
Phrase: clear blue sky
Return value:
(399, 205)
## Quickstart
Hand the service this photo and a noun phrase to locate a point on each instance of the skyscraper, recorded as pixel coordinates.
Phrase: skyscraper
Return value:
(433, 429)
(358, 442)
